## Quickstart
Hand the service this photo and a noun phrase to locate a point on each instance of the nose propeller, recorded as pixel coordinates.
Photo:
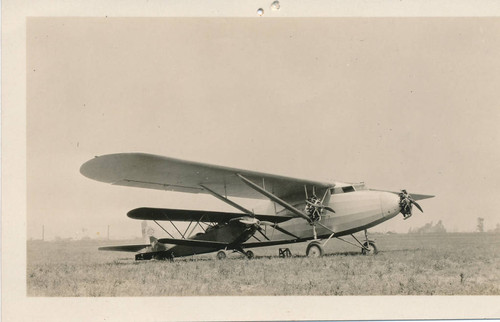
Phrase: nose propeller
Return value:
(249, 221)
(406, 203)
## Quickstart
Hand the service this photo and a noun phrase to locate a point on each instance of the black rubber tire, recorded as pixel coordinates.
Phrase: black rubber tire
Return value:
(221, 255)
(249, 254)
(314, 249)
(370, 245)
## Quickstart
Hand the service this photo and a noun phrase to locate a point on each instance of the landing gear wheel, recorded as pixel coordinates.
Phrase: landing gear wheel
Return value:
(372, 249)
(314, 249)
(221, 255)
(249, 254)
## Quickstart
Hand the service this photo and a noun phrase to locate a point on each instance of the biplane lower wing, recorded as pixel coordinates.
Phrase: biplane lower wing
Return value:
(274, 242)
(145, 213)
(194, 243)
(125, 248)
(220, 245)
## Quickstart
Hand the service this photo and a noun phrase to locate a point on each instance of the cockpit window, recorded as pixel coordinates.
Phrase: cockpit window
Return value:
(348, 189)
(344, 189)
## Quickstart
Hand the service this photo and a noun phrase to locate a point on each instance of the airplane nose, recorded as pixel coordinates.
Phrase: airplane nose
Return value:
(389, 202)
(249, 221)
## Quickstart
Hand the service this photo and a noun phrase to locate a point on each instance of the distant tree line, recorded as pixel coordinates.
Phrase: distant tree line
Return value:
(439, 228)
(429, 228)
(496, 230)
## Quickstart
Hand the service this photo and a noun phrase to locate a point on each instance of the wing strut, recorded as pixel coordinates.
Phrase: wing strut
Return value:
(275, 226)
(229, 202)
(163, 229)
(274, 198)
(285, 204)
(197, 223)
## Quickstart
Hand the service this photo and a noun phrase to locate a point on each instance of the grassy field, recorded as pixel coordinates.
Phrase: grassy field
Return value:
(445, 264)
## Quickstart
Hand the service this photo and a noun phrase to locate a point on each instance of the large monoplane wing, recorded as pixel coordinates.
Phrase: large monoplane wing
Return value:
(195, 215)
(163, 173)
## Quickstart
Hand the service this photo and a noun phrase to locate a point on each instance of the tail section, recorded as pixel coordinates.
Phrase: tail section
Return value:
(151, 249)
(147, 232)
(156, 246)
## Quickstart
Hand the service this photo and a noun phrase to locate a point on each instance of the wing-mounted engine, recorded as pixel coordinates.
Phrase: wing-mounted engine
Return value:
(315, 207)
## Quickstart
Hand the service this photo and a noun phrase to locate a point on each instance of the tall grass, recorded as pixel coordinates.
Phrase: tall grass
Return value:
(447, 264)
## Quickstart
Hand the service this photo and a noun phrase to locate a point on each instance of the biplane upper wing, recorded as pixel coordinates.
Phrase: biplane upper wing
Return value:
(145, 213)
(163, 173)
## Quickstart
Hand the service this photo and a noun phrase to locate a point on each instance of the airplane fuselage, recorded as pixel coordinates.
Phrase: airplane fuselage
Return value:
(234, 232)
(354, 211)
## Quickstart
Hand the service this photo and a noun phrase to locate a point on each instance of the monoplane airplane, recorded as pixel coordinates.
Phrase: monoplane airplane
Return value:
(297, 210)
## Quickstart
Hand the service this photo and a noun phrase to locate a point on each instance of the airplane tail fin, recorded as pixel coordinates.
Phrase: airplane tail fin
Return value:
(147, 232)
(156, 246)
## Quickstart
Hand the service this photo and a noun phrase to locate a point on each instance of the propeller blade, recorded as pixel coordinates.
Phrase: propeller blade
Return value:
(418, 206)
(329, 209)
(246, 220)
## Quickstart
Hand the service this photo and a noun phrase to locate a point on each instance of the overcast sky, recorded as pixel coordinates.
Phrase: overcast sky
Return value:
(400, 103)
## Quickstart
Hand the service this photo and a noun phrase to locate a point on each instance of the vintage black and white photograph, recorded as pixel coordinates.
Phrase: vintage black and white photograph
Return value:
(246, 157)
(210, 157)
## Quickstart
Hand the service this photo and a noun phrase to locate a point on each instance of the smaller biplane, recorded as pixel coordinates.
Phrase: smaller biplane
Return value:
(297, 210)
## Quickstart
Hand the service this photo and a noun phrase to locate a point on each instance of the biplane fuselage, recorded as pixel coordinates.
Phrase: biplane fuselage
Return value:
(234, 232)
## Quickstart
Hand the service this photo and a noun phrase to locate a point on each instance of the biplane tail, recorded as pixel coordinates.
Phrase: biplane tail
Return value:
(147, 232)
(150, 242)
(156, 245)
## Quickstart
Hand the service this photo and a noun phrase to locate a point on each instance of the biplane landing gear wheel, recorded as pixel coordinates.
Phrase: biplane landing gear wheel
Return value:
(314, 249)
(249, 254)
(372, 249)
(221, 255)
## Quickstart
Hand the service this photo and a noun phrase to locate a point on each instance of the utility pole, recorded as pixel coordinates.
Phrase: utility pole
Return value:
(480, 224)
